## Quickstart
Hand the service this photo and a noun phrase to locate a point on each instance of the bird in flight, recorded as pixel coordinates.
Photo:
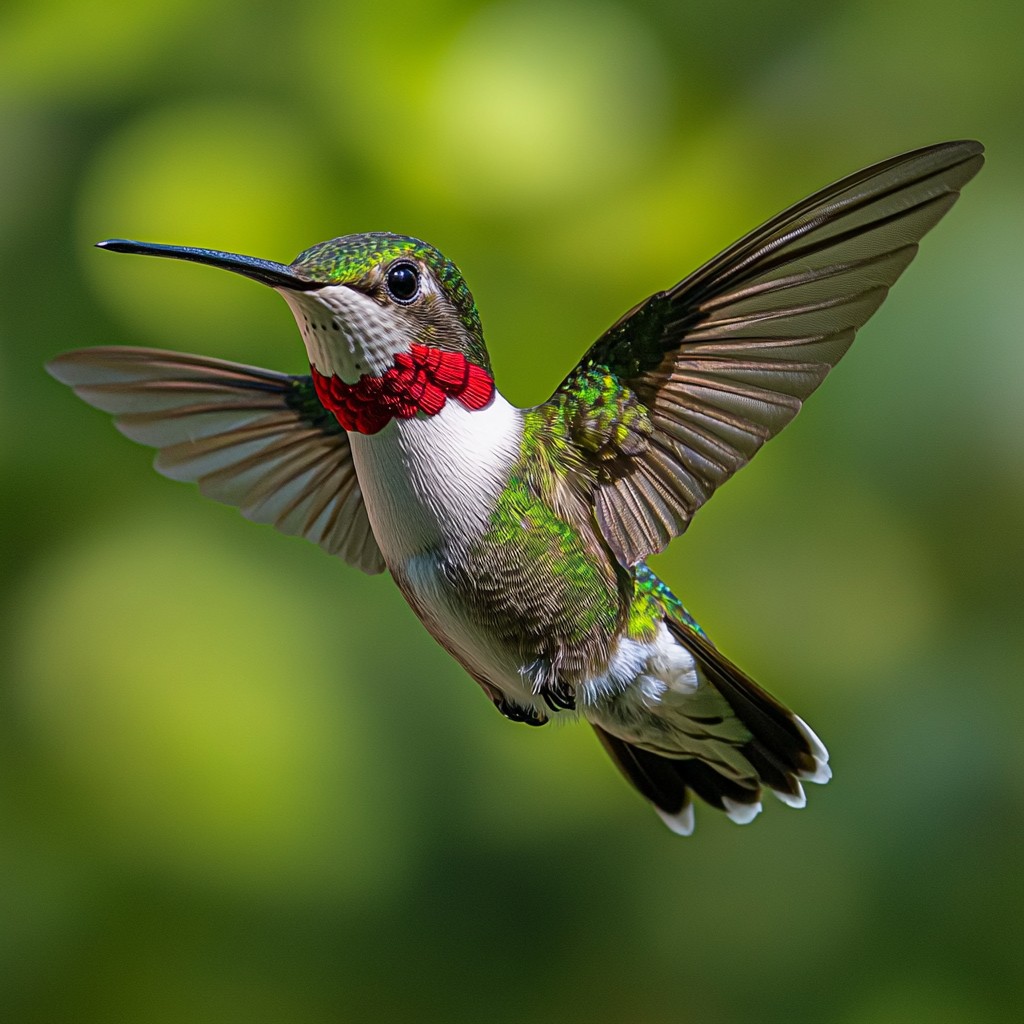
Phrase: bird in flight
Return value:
(519, 536)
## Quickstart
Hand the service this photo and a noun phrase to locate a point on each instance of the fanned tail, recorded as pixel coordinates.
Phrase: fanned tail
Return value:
(778, 750)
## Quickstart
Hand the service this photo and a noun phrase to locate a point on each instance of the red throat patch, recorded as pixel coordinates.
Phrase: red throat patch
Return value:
(421, 380)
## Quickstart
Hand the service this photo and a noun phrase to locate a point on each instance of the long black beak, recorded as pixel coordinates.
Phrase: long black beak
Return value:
(277, 275)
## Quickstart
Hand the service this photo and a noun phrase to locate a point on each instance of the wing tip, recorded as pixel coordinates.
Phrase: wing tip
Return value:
(966, 148)
(61, 367)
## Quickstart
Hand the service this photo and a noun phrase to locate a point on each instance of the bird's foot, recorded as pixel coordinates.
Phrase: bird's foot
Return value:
(517, 713)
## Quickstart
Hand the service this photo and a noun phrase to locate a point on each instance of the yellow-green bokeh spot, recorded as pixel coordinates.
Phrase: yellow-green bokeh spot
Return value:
(59, 47)
(494, 108)
(182, 691)
(223, 175)
(537, 102)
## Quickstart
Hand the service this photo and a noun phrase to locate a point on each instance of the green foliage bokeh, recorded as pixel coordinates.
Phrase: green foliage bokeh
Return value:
(238, 782)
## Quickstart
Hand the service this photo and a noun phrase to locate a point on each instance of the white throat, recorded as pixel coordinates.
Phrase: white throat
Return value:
(345, 332)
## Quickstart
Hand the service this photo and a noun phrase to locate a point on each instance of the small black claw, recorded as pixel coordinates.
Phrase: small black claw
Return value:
(517, 713)
(559, 697)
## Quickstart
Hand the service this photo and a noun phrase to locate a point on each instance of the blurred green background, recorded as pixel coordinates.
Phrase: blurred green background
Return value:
(238, 782)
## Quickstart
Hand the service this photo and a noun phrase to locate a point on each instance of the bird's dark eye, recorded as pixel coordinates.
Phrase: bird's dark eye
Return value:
(403, 282)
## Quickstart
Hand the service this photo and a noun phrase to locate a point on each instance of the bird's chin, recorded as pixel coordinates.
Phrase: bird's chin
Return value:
(344, 332)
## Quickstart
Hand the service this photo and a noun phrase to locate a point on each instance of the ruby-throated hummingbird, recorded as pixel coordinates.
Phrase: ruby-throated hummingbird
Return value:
(518, 536)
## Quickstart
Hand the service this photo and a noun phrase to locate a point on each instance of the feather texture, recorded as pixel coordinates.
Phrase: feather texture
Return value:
(249, 437)
(728, 741)
(722, 361)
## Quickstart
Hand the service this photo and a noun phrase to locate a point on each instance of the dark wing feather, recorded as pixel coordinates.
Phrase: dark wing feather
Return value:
(687, 386)
(253, 438)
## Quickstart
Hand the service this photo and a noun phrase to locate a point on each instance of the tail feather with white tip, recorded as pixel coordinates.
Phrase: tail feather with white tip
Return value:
(777, 751)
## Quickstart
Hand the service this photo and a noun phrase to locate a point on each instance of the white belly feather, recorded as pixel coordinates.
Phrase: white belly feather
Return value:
(430, 485)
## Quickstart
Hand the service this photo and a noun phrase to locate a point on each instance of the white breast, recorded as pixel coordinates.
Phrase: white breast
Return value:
(430, 483)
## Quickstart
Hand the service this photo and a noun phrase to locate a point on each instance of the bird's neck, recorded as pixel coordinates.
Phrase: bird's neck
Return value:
(420, 380)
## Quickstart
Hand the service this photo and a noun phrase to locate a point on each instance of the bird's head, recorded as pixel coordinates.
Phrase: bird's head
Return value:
(359, 300)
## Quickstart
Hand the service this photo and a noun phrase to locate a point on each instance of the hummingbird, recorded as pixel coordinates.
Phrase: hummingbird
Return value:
(519, 536)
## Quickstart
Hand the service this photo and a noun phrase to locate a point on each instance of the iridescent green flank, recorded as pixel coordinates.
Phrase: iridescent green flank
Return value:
(572, 596)
(652, 598)
(544, 580)
(538, 582)
(344, 260)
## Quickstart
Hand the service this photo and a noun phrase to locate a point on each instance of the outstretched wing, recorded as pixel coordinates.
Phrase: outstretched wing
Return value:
(253, 438)
(687, 386)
